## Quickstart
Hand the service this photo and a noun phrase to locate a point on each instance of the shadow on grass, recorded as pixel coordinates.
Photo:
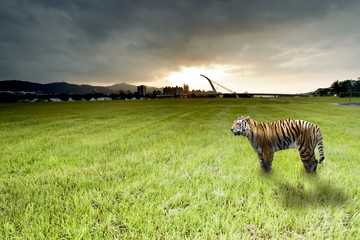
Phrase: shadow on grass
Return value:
(311, 192)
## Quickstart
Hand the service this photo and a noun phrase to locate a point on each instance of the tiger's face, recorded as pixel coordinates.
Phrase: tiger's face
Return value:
(241, 126)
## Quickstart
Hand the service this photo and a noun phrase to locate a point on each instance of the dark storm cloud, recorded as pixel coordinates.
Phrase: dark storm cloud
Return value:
(115, 41)
(99, 19)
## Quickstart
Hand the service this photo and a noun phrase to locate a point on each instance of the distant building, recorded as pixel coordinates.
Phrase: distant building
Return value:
(186, 88)
(54, 100)
(104, 99)
(141, 90)
(173, 91)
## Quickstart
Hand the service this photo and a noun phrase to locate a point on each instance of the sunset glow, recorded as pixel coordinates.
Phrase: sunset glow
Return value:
(191, 76)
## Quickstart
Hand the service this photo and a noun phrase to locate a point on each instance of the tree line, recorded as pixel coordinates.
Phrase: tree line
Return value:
(341, 89)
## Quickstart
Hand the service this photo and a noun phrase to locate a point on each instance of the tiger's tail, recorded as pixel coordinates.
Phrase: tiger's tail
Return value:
(319, 138)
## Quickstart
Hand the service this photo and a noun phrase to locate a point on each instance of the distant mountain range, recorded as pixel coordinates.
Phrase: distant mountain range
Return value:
(63, 87)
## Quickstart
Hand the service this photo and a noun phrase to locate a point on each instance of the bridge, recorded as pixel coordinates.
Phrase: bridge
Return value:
(214, 89)
(248, 95)
(231, 94)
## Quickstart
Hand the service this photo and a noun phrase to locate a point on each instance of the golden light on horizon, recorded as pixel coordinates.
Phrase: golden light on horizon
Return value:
(191, 76)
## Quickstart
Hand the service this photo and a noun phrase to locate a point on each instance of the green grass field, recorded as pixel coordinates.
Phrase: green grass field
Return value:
(171, 169)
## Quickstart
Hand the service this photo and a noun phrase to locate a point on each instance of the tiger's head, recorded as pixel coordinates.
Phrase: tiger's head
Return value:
(241, 126)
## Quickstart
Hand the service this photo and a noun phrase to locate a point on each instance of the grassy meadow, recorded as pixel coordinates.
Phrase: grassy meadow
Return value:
(171, 169)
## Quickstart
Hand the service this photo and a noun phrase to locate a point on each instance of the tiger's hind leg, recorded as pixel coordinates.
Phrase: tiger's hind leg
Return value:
(310, 166)
(265, 160)
(308, 159)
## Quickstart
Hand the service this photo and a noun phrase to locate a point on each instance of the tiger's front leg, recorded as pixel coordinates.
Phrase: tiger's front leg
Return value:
(265, 160)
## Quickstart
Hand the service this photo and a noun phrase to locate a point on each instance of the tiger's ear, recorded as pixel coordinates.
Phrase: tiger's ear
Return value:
(247, 119)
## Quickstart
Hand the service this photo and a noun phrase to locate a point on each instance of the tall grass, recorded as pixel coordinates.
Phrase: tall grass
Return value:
(172, 169)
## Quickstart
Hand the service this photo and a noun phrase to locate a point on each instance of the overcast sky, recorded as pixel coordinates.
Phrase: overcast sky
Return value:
(250, 45)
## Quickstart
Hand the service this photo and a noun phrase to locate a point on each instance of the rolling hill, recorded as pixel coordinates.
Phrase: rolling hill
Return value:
(63, 87)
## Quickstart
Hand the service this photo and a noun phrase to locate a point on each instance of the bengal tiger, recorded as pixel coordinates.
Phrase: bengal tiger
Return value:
(267, 138)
